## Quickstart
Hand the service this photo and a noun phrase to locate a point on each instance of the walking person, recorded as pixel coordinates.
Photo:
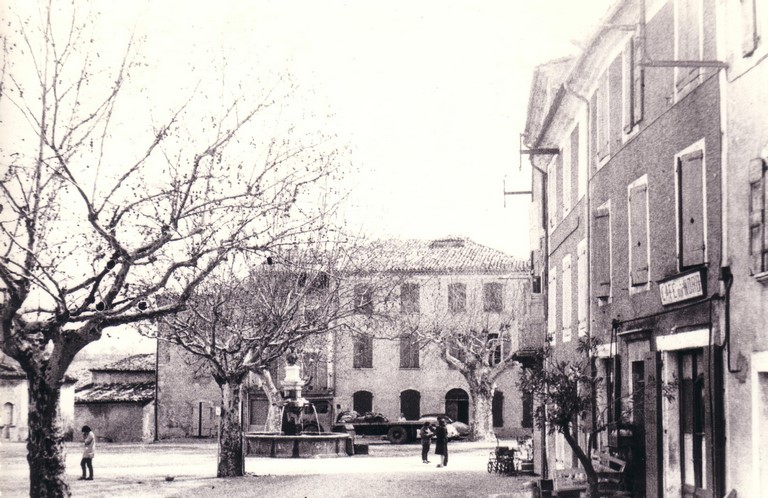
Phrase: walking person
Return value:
(426, 440)
(89, 450)
(441, 442)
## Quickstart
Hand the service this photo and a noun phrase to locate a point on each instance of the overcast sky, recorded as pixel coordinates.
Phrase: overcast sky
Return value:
(430, 95)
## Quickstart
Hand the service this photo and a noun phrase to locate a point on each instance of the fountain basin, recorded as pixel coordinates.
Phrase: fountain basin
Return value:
(315, 445)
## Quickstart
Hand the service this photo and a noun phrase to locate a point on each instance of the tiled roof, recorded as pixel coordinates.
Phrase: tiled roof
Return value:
(119, 391)
(135, 363)
(449, 254)
(10, 369)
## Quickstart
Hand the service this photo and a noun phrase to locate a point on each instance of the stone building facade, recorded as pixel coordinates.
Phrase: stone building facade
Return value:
(634, 129)
(119, 401)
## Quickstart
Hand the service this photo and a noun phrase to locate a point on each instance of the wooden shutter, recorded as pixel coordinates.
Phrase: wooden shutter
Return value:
(638, 200)
(552, 305)
(603, 120)
(602, 253)
(748, 27)
(614, 105)
(688, 40)
(575, 172)
(567, 298)
(628, 87)
(581, 277)
(638, 83)
(758, 245)
(691, 216)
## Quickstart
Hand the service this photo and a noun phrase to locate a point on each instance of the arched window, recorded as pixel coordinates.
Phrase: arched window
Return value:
(410, 404)
(362, 402)
(457, 405)
(8, 414)
(497, 409)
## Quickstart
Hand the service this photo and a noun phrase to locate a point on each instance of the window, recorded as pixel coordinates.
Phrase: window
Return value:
(456, 347)
(492, 297)
(494, 348)
(602, 120)
(363, 299)
(8, 414)
(581, 163)
(633, 86)
(497, 408)
(363, 351)
(457, 298)
(536, 284)
(552, 306)
(582, 299)
(552, 172)
(749, 37)
(758, 238)
(601, 251)
(567, 299)
(688, 33)
(362, 402)
(565, 160)
(409, 298)
(527, 421)
(690, 206)
(637, 193)
(409, 351)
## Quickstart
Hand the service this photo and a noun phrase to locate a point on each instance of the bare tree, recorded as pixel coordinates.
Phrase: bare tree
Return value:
(290, 299)
(480, 342)
(97, 222)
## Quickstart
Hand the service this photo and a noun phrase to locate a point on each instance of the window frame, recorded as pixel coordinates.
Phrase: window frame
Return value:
(582, 280)
(493, 303)
(410, 300)
(634, 288)
(604, 210)
(567, 298)
(697, 148)
(552, 306)
(363, 299)
(409, 351)
(362, 351)
(452, 296)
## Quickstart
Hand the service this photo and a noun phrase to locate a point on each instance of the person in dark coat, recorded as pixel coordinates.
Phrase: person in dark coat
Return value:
(426, 440)
(441, 442)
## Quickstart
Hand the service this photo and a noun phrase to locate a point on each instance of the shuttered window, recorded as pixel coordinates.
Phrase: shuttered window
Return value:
(493, 297)
(688, 40)
(602, 120)
(638, 234)
(409, 298)
(758, 238)
(691, 220)
(363, 299)
(601, 252)
(634, 81)
(582, 300)
(363, 352)
(552, 306)
(566, 162)
(567, 298)
(409, 351)
(457, 297)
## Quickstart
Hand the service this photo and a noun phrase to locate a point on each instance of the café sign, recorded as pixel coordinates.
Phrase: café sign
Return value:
(682, 287)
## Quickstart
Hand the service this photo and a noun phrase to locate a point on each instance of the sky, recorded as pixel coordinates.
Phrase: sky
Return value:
(428, 97)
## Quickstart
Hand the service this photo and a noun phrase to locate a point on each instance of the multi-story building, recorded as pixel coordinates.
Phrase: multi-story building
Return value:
(385, 370)
(444, 282)
(642, 106)
(745, 245)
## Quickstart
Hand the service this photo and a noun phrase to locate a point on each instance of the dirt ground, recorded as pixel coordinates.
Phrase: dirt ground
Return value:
(188, 468)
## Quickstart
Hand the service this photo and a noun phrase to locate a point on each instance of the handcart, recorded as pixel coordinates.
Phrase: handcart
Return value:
(501, 460)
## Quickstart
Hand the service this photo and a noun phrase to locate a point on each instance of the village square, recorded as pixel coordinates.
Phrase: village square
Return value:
(493, 249)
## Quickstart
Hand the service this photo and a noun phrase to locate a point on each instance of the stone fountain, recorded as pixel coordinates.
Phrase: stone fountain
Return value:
(296, 415)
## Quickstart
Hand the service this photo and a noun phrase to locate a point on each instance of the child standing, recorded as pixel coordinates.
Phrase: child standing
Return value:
(89, 451)
(426, 437)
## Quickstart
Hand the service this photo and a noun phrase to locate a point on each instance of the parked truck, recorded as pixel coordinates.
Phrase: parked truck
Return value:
(403, 431)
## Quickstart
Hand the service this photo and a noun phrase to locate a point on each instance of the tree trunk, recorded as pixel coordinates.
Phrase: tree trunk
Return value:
(273, 423)
(230, 458)
(586, 463)
(482, 414)
(45, 449)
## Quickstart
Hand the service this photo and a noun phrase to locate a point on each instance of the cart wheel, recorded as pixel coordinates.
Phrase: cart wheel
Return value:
(490, 467)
